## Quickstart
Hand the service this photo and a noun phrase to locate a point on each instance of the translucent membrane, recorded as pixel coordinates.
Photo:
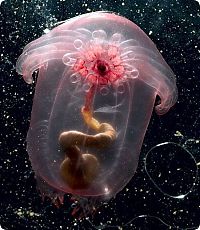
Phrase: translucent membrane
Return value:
(98, 77)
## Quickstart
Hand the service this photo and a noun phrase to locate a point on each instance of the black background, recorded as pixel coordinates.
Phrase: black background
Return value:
(150, 200)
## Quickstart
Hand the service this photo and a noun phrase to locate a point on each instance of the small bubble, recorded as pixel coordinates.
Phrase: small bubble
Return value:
(78, 44)
(74, 78)
(67, 60)
(134, 73)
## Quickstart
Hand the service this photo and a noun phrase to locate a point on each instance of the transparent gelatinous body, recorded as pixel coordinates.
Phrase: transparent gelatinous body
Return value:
(99, 75)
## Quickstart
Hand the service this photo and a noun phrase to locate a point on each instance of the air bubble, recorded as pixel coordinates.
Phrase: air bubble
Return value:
(67, 60)
(74, 78)
(78, 44)
(135, 73)
(104, 91)
(99, 34)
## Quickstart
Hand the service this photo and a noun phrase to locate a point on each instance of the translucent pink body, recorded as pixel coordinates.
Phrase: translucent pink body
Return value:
(114, 54)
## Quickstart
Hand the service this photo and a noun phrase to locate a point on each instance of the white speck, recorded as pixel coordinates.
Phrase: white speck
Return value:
(180, 196)
(46, 31)
(106, 190)
(0, 4)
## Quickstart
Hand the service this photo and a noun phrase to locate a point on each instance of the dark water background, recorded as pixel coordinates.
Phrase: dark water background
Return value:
(165, 191)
